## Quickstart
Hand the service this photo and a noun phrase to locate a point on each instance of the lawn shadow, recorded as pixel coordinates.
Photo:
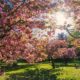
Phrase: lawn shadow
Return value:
(75, 64)
(17, 67)
(42, 74)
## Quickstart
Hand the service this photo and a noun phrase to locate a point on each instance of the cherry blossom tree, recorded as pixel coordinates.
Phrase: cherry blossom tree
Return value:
(17, 19)
(16, 23)
(58, 49)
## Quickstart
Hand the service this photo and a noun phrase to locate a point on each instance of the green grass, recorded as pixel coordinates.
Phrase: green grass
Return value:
(41, 71)
(68, 73)
(30, 67)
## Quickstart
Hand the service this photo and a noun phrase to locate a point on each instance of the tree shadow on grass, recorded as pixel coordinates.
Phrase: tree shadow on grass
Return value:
(42, 74)
(17, 67)
(70, 63)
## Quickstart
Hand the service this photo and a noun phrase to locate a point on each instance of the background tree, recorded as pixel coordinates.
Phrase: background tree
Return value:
(58, 49)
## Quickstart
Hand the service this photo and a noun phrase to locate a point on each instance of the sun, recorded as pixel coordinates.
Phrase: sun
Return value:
(60, 18)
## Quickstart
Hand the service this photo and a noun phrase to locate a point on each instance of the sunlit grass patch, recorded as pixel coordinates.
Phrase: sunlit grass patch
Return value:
(69, 73)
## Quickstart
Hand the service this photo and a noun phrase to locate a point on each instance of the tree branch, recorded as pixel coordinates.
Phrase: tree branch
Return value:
(71, 34)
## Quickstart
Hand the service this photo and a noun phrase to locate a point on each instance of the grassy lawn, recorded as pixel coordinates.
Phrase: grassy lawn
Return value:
(41, 71)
